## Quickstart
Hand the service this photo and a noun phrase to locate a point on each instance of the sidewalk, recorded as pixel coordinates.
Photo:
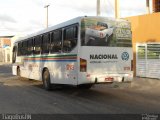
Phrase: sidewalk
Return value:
(5, 63)
(146, 84)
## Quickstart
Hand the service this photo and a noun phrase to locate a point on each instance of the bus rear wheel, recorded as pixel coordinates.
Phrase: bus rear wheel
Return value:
(46, 80)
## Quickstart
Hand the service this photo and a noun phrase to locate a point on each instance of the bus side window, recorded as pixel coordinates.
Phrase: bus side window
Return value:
(25, 46)
(45, 43)
(30, 46)
(56, 41)
(20, 48)
(70, 38)
(37, 44)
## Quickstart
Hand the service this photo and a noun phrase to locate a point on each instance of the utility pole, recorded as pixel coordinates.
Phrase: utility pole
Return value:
(147, 7)
(46, 6)
(116, 8)
(98, 8)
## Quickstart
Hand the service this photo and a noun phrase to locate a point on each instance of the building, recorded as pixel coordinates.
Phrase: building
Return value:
(5, 41)
(5, 48)
(146, 45)
(156, 5)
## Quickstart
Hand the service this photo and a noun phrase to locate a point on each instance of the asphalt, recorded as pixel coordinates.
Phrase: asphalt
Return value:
(28, 96)
(146, 84)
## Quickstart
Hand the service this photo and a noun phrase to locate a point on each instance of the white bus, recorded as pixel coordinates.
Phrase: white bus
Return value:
(83, 51)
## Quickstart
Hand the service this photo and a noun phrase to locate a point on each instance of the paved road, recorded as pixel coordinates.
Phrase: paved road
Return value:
(27, 96)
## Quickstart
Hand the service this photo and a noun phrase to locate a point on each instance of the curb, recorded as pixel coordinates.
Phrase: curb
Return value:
(7, 63)
(145, 83)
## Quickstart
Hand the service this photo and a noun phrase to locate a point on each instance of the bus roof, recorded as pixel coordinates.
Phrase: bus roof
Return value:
(63, 24)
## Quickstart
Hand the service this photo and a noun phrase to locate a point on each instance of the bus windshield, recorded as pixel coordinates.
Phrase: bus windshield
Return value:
(105, 32)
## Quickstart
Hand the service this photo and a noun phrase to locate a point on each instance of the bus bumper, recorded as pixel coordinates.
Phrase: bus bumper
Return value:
(107, 78)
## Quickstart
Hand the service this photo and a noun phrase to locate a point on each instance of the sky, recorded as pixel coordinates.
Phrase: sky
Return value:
(28, 16)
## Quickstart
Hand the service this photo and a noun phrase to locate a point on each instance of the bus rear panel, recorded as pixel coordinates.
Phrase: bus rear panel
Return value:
(105, 51)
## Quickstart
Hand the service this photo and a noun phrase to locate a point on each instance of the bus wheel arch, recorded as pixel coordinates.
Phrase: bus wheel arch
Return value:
(18, 71)
(46, 79)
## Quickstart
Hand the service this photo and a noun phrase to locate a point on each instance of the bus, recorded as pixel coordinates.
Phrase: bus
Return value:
(82, 51)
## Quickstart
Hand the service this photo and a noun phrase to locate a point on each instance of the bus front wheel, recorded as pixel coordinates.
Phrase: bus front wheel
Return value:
(18, 72)
(46, 80)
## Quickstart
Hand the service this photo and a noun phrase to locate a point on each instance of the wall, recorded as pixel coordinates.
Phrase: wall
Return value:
(5, 54)
(145, 28)
(5, 41)
(5, 48)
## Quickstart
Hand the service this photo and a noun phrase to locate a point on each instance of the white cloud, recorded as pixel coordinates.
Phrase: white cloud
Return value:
(132, 7)
(7, 18)
(27, 16)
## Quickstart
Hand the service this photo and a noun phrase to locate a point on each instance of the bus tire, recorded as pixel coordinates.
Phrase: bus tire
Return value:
(46, 80)
(19, 74)
(85, 86)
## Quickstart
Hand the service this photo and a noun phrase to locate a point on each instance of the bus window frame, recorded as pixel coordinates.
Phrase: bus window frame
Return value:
(75, 38)
(39, 39)
(53, 41)
(45, 44)
(30, 52)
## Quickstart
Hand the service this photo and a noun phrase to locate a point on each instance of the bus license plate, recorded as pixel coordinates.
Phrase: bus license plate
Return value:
(109, 79)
